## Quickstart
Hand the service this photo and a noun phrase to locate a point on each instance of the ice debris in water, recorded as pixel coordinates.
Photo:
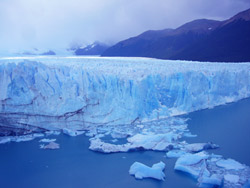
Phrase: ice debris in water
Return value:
(47, 140)
(160, 135)
(213, 170)
(141, 171)
(189, 135)
(22, 138)
(51, 145)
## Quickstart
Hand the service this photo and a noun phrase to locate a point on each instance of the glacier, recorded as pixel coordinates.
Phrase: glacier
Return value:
(74, 93)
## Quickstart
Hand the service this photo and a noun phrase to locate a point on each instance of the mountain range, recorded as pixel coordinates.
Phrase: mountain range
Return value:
(199, 40)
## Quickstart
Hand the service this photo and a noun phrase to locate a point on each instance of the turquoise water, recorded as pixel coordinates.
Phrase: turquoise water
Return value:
(24, 165)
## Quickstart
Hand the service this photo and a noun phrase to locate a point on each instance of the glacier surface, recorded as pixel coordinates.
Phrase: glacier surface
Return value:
(41, 94)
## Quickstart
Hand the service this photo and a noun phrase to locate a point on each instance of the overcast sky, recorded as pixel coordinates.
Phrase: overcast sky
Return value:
(50, 24)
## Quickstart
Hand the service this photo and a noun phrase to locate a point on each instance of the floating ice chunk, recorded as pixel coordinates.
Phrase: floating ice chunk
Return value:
(114, 140)
(26, 137)
(149, 141)
(72, 132)
(211, 170)
(141, 171)
(96, 144)
(153, 141)
(229, 164)
(175, 153)
(212, 181)
(51, 145)
(186, 163)
(197, 147)
(231, 178)
(190, 159)
(23, 138)
(47, 140)
(188, 134)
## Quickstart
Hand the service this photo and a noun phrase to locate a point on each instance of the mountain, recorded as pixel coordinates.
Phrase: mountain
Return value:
(50, 52)
(96, 48)
(200, 40)
(35, 51)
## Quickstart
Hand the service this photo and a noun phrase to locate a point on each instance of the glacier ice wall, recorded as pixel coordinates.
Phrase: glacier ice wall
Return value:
(52, 93)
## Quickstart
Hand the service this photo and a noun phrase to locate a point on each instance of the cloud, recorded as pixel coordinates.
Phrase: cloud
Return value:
(57, 23)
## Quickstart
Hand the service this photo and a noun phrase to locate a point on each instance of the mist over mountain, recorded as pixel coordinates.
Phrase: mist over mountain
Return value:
(199, 40)
(55, 25)
(97, 48)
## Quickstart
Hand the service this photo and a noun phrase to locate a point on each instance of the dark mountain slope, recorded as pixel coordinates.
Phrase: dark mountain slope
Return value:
(163, 43)
(201, 40)
(229, 43)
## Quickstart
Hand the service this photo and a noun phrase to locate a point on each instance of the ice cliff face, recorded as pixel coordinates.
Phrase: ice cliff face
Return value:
(52, 93)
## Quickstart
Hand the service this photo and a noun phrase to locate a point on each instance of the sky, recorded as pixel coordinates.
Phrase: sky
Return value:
(59, 24)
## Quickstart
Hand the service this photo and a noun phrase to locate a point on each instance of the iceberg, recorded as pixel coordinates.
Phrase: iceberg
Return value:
(191, 163)
(158, 142)
(141, 171)
(212, 170)
(53, 93)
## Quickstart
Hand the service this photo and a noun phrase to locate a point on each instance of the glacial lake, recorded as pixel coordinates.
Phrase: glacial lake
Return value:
(24, 165)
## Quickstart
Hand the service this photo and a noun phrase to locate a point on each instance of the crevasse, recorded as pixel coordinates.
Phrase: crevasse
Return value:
(55, 93)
